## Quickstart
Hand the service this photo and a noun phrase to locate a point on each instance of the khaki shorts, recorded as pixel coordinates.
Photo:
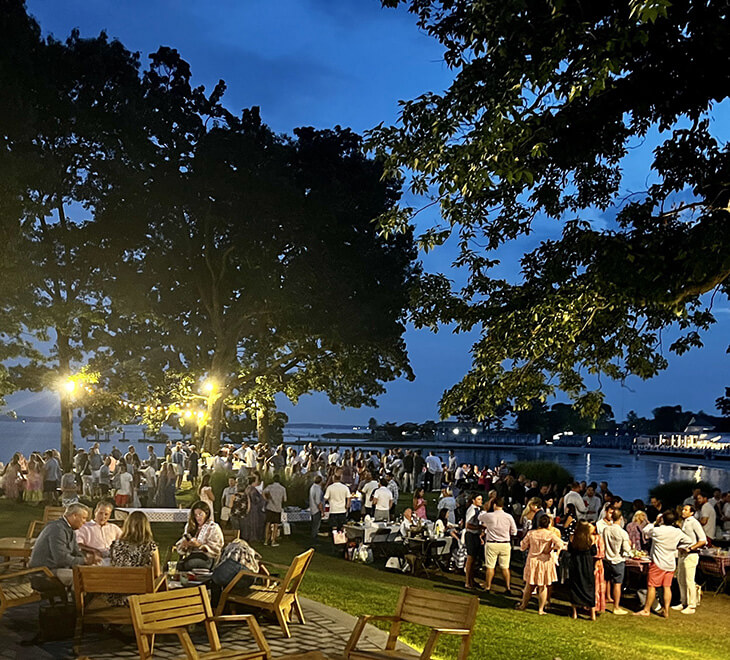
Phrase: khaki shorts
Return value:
(497, 552)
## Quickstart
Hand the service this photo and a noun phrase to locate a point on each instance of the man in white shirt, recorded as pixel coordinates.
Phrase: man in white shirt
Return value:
(706, 515)
(338, 496)
(316, 506)
(95, 537)
(123, 496)
(688, 559)
(499, 528)
(433, 472)
(405, 526)
(382, 501)
(367, 490)
(574, 497)
(666, 540)
(618, 548)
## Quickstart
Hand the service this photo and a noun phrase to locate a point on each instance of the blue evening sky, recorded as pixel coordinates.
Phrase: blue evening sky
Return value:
(326, 62)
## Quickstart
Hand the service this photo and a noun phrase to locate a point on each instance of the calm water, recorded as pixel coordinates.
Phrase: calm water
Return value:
(632, 480)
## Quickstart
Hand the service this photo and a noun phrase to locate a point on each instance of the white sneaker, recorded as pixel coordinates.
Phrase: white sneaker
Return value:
(688, 610)
(678, 607)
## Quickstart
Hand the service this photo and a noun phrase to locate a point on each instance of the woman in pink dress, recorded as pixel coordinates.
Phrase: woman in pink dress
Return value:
(540, 570)
(34, 481)
(419, 504)
(598, 571)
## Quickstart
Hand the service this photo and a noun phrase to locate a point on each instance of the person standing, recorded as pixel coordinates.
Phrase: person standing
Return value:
(540, 571)
(472, 539)
(706, 514)
(382, 501)
(51, 477)
(338, 496)
(593, 504)
(617, 547)
(688, 559)
(574, 497)
(432, 480)
(499, 529)
(666, 539)
(316, 506)
(419, 465)
(407, 484)
(581, 573)
(275, 496)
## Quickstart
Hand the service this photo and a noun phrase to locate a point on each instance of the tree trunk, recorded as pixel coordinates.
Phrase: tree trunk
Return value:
(262, 424)
(67, 410)
(215, 422)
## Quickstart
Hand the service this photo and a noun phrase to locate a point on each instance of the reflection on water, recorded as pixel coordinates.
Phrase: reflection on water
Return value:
(633, 479)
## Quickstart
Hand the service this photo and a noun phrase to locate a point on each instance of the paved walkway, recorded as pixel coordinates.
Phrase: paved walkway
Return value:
(327, 630)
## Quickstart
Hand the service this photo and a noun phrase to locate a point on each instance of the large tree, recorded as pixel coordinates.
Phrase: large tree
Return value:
(547, 101)
(254, 262)
(66, 110)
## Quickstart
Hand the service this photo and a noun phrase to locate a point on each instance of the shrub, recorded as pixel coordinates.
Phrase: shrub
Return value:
(544, 472)
(673, 493)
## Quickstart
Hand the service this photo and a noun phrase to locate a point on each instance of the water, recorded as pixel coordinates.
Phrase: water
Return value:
(633, 479)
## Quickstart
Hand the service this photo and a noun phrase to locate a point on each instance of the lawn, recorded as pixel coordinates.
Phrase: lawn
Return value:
(501, 632)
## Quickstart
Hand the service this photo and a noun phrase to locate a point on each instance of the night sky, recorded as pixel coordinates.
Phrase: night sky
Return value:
(348, 62)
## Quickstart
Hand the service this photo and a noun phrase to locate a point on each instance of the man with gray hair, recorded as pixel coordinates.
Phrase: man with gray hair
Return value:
(56, 546)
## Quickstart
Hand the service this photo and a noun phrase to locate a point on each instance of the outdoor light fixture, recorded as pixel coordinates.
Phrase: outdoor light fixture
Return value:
(473, 431)
(69, 386)
(455, 431)
(209, 386)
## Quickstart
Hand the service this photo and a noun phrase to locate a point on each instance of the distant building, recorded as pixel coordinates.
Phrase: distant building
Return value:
(470, 434)
(699, 434)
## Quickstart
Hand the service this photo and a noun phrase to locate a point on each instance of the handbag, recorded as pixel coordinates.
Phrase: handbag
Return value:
(339, 537)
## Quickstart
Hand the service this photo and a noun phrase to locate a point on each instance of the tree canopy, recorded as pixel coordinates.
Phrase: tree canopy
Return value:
(548, 99)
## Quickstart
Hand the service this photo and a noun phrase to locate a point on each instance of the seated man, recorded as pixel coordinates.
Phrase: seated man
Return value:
(405, 526)
(56, 546)
(95, 537)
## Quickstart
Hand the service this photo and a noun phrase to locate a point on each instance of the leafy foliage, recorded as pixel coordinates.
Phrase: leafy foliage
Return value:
(673, 493)
(544, 472)
(548, 99)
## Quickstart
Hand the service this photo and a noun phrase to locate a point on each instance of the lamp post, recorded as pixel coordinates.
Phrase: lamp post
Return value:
(68, 388)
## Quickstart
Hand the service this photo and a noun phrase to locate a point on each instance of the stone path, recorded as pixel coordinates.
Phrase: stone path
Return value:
(327, 630)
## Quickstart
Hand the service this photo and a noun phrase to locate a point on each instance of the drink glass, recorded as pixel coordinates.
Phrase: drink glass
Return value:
(171, 567)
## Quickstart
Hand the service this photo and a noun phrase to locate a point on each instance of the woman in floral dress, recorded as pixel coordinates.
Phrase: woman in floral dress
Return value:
(539, 570)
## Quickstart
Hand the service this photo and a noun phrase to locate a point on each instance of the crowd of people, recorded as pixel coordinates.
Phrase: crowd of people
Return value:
(580, 534)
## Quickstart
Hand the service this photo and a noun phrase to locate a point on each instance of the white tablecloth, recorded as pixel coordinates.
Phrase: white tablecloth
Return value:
(296, 516)
(159, 515)
(360, 531)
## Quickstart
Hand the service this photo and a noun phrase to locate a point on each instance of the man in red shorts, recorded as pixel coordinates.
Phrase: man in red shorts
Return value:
(665, 539)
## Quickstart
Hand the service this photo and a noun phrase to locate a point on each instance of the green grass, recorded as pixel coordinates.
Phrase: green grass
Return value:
(501, 632)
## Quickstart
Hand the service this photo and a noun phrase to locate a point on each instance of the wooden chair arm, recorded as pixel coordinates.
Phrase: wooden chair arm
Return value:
(27, 571)
(453, 631)
(243, 573)
(360, 626)
(430, 644)
(230, 618)
(160, 583)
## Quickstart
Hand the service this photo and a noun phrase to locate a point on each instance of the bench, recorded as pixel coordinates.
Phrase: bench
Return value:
(443, 613)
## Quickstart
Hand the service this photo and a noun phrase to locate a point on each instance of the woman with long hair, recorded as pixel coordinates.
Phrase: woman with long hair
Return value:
(135, 547)
(419, 504)
(34, 481)
(539, 570)
(13, 479)
(253, 522)
(202, 541)
(635, 530)
(581, 578)
(205, 493)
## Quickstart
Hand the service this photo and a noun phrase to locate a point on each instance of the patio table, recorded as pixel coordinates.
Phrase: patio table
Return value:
(15, 546)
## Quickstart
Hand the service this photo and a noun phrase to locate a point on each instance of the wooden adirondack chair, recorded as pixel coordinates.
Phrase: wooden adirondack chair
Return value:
(16, 587)
(90, 580)
(274, 594)
(230, 535)
(443, 613)
(171, 612)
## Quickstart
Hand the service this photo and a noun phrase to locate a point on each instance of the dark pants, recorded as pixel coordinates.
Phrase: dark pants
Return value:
(316, 522)
(337, 520)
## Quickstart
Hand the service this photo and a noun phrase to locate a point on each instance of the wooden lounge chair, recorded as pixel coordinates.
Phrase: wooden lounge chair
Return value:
(275, 594)
(443, 613)
(91, 580)
(16, 588)
(171, 612)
